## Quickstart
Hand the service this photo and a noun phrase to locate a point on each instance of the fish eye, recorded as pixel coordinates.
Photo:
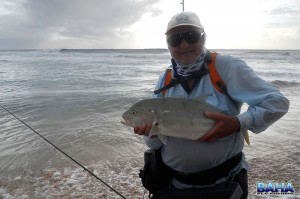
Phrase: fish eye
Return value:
(133, 112)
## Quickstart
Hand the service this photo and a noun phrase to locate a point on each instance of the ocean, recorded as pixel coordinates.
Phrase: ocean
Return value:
(75, 99)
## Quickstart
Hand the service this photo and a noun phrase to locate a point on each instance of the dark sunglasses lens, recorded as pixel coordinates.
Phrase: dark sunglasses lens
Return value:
(191, 37)
(174, 40)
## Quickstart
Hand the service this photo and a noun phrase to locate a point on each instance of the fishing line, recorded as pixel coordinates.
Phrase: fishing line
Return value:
(64, 153)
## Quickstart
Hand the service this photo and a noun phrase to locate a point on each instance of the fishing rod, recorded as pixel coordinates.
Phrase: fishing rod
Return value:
(182, 5)
(64, 153)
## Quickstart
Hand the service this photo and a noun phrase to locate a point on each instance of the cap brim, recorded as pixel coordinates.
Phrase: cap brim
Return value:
(183, 24)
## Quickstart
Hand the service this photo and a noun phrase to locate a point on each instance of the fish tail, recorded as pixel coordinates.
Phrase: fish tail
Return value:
(246, 137)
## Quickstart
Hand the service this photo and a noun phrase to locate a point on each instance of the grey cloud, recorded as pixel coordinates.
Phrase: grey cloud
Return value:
(281, 42)
(285, 16)
(30, 23)
(285, 10)
(282, 26)
(291, 7)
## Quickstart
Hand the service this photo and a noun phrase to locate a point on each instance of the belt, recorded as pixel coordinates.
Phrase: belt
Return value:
(209, 176)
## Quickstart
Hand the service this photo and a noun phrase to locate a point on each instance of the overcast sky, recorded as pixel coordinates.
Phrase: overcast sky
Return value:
(242, 24)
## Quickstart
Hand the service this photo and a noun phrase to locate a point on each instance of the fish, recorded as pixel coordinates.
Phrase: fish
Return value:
(174, 117)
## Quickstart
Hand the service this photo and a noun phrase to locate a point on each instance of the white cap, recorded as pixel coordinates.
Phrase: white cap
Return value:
(184, 19)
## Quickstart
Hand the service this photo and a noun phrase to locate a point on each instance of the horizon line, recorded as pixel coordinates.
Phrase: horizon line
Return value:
(25, 49)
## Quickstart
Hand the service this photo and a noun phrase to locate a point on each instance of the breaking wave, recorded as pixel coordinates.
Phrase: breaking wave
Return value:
(281, 83)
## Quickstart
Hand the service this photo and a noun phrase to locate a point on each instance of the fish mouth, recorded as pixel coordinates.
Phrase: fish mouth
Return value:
(124, 122)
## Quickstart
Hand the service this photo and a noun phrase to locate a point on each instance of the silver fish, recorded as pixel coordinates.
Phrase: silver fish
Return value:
(170, 116)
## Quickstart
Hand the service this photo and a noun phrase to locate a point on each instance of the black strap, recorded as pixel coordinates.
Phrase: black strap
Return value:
(210, 176)
(178, 79)
(200, 73)
(172, 84)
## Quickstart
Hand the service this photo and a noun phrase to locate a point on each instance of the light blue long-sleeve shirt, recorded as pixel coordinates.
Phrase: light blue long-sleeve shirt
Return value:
(265, 106)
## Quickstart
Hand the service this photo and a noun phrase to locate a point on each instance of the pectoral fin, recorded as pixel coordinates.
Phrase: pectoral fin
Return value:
(155, 131)
(246, 137)
(203, 98)
(156, 128)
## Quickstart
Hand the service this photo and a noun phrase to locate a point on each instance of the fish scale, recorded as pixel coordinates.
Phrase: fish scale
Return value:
(174, 117)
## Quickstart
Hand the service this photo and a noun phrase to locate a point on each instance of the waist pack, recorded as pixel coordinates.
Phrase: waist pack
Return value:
(209, 176)
(227, 190)
(155, 175)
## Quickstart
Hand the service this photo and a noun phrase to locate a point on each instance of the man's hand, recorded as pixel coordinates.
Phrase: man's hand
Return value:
(225, 125)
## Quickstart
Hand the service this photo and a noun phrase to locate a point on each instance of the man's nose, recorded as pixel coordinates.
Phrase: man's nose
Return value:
(184, 44)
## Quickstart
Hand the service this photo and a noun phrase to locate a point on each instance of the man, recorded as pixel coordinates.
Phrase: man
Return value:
(221, 146)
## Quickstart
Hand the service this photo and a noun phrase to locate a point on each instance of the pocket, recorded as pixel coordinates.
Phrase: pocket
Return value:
(155, 175)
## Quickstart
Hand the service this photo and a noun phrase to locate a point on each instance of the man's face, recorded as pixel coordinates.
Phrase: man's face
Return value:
(188, 50)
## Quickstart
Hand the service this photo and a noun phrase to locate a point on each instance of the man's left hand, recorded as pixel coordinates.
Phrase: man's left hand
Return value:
(225, 125)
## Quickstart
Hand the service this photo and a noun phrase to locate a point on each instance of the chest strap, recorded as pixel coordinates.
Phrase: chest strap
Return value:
(216, 80)
(169, 82)
(172, 83)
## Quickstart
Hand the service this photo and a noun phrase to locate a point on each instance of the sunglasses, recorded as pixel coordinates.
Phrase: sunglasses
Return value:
(191, 37)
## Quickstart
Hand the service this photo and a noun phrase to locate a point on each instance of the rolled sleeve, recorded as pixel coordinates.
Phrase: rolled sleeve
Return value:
(246, 121)
(266, 103)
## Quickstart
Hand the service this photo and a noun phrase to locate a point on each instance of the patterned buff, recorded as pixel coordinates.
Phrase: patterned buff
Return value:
(186, 70)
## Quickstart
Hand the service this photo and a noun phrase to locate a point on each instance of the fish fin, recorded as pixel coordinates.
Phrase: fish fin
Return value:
(203, 98)
(155, 126)
(154, 129)
(246, 137)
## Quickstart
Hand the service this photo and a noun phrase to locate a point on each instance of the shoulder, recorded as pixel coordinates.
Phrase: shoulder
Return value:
(227, 65)
(167, 71)
(162, 76)
(229, 61)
